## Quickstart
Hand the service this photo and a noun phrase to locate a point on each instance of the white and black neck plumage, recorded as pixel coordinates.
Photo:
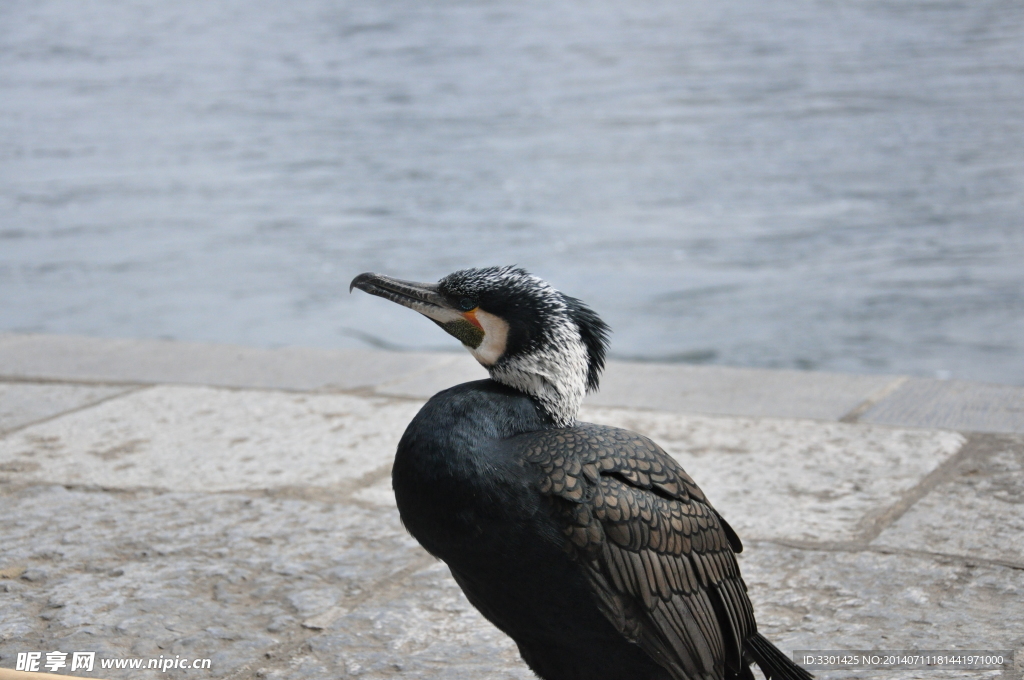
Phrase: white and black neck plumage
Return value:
(527, 335)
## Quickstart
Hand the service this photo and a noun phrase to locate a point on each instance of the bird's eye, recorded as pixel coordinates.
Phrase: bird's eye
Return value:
(466, 304)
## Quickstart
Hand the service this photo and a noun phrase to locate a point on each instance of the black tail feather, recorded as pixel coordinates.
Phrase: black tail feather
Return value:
(773, 663)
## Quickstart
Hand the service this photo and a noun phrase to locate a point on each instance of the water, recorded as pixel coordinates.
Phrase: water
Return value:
(820, 185)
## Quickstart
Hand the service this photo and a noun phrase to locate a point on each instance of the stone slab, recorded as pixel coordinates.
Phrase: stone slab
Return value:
(24, 403)
(952, 405)
(792, 479)
(736, 391)
(835, 600)
(820, 480)
(76, 358)
(222, 576)
(210, 439)
(979, 512)
(891, 400)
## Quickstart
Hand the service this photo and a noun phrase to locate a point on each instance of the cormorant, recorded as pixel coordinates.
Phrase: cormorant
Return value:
(588, 545)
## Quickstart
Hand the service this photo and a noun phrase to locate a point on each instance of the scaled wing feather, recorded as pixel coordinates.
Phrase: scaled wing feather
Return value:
(659, 558)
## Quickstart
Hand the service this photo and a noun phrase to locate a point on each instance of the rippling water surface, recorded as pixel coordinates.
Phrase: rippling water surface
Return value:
(825, 185)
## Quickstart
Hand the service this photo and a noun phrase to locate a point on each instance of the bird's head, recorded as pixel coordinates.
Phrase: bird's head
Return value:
(525, 333)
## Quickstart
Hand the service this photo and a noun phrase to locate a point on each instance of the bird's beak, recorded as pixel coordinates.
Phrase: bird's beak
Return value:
(423, 298)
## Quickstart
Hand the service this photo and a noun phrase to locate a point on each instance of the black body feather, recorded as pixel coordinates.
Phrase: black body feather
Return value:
(589, 546)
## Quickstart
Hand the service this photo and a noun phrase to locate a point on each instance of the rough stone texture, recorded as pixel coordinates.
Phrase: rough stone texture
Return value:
(424, 628)
(977, 513)
(24, 403)
(137, 575)
(221, 576)
(379, 494)
(952, 405)
(814, 481)
(155, 361)
(810, 599)
(206, 439)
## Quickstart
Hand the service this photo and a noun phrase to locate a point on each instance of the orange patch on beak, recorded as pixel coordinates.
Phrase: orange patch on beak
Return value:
(470, 316)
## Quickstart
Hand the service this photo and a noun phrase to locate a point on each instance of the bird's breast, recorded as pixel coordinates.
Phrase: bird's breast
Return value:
(462, 491)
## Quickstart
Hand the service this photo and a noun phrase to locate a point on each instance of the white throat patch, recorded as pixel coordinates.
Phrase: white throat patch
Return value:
(495, 339)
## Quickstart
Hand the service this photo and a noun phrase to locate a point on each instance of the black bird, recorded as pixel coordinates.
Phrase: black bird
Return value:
(588, 545)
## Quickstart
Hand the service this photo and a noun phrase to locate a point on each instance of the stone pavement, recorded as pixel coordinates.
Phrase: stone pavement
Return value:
(192, 501)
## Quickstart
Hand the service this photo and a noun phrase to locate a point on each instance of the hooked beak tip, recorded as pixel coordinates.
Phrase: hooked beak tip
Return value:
(360, 281)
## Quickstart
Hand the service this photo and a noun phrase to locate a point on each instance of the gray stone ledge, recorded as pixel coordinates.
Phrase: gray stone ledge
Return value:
(715, 390)
(951, 405)
(81, 359)
(722, 390)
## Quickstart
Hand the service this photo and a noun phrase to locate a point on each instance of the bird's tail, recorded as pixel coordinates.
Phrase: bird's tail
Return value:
(773, 663)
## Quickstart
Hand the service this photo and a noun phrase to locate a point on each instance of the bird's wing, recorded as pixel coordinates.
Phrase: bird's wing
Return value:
(659, 558)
